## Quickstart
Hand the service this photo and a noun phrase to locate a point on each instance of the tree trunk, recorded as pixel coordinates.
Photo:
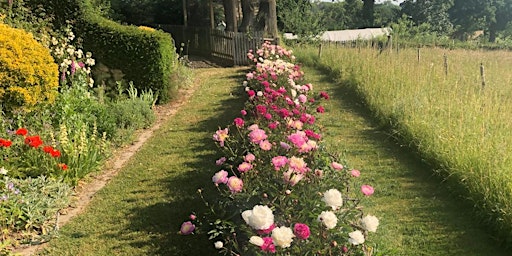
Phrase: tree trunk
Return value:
(185, 13)
(249, 14)
(230, 15)
(272, 19)
(368, 13)
(492, 32)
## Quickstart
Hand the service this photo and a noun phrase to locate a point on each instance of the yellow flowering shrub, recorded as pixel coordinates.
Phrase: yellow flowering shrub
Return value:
(147, 28)
(28, 73)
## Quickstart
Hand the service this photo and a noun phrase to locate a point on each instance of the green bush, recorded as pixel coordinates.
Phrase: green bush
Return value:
(148, 58)
(28, 73)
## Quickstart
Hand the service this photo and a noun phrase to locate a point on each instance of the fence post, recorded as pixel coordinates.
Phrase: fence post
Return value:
(482, 74)
(419, 55)
(320, 50)
(445, 64)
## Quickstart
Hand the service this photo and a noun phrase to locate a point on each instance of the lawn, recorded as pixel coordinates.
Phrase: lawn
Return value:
(140, 211)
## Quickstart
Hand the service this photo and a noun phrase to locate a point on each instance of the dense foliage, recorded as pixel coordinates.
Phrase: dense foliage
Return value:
(27, 70)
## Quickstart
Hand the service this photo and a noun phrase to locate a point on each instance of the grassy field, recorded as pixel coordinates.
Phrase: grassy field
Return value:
(140, 211)
(436, 103)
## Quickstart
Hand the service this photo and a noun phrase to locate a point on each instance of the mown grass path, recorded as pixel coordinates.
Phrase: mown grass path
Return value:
(139, 212)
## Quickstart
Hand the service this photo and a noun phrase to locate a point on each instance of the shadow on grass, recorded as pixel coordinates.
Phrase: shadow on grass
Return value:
(162, 221)
(444, 209)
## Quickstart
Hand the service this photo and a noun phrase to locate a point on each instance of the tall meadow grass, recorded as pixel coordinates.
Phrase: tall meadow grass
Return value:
(435, 101)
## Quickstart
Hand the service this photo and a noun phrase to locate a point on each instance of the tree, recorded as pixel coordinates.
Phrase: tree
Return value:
(300, 17)
(431, 12)
(490, 15)
(230, 15)
(368, 13)
(386, 13)
(249, 14)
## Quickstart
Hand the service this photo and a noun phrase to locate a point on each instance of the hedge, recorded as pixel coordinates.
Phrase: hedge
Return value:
(145, 57)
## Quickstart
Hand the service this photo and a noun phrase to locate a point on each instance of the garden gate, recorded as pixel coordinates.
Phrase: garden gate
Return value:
(227, 47)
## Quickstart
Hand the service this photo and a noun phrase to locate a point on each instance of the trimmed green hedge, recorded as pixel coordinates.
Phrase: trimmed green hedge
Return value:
(145, 57)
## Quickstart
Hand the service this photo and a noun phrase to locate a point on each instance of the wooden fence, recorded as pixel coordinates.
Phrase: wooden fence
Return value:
(229, 48)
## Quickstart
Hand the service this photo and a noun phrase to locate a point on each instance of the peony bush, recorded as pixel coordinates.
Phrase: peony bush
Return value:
(280, 191)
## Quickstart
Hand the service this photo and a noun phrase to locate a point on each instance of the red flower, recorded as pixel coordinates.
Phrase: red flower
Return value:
(48, 149)
(63, 166)
(55, 153)
(34, 141)
(21, 131)
(5, 143)
(320, 109)
(324, 95)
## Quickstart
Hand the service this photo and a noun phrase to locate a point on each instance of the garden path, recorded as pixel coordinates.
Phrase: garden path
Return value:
(86, 189)
(418, 216)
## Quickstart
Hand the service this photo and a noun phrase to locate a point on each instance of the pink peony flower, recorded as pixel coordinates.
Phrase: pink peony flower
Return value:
(253, 127)
(220, 161)
(221, 135)
(302, 98)
(192, 216)
(273, 125)
(298, 165)
(301, 231)
(235, 184)
(257, 135)
(367, 190)
(251, 93)
(243, 112)
(336, 166)
(324, 95)
(245, 166)
(268, 245)
(284, 145)
(265, 145)
(249, 157)
(292, 178)
(355, 173)
(239, 122)
(221, 177)
(187, 228)
(279, 161)
(298, 139)
(320, 109)
(261, 109)
(266, 231)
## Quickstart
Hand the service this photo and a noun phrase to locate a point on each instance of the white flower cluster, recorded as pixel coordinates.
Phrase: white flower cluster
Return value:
(332, 198)
(329, 219)
(260, 217)
(72, 60)
(282, 236)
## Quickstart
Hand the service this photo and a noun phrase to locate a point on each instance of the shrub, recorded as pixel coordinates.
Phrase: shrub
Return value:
(146, 57)
(28, 73)
(28, 208)
(275, 173)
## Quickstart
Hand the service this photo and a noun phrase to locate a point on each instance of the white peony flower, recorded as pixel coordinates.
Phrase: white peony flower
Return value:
(328, 218)
(259, 93)
(218, 245)
(282, 236)
(370, 223)
(356, 237)
(332, 198)
(256, 240)
(260, 217)
(3, 171)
